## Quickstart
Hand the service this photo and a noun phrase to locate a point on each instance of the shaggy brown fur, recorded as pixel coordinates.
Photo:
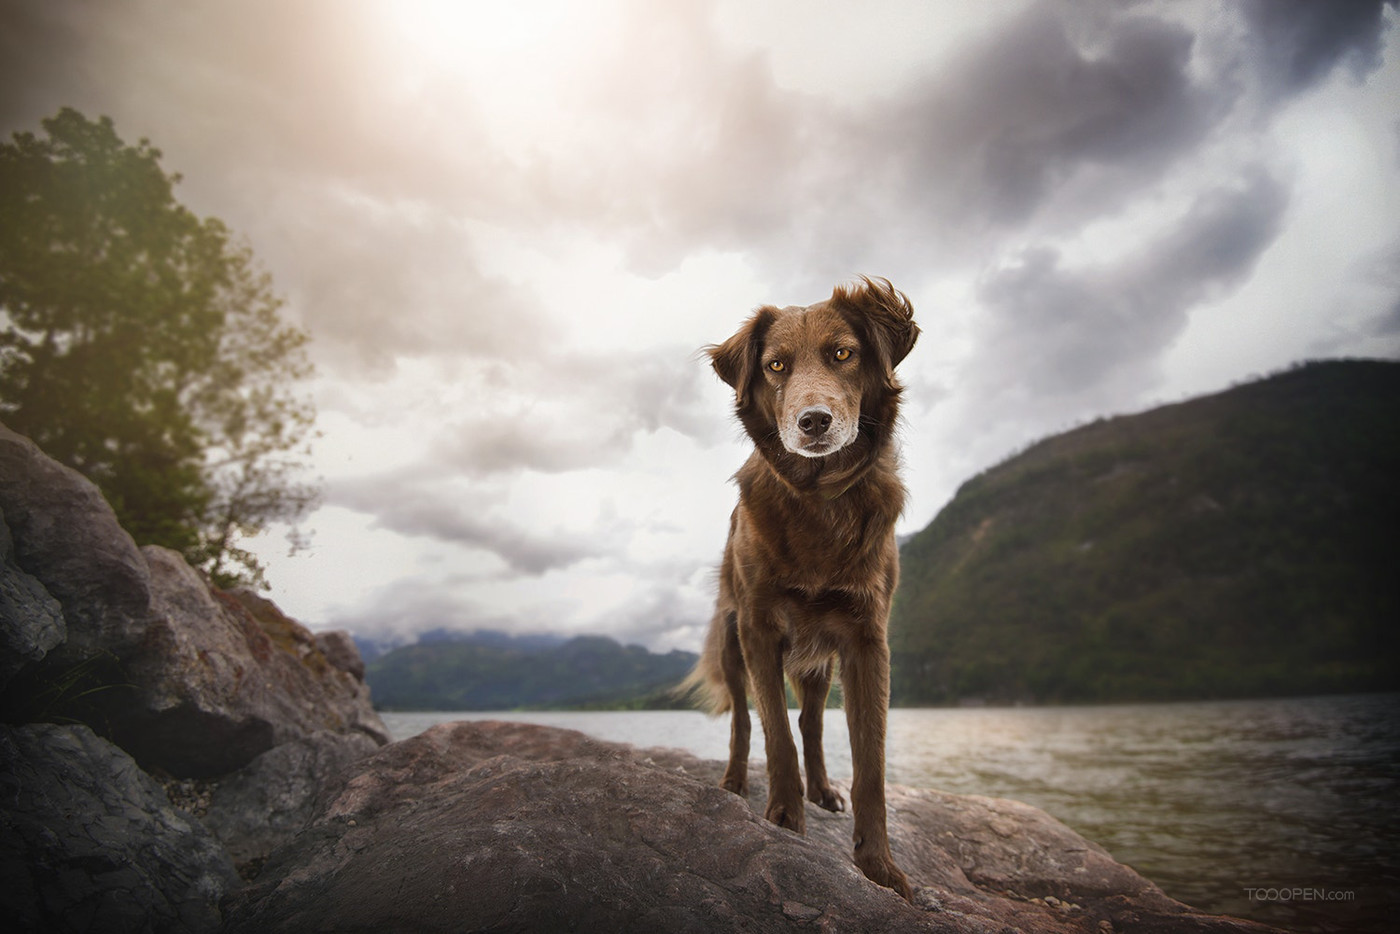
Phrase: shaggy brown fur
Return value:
(811, 562)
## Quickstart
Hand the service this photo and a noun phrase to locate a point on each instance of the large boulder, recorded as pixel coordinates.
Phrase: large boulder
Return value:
(221, 678)
(67, 537)
(510, 827)
(90, 842)
(267, 802)
(31, 620)
(136, 643)
(340, 650)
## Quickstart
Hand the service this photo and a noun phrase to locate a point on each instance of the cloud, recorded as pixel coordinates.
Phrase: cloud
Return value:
(557, 411)
(507, 252)
(988, 143)
(420, 503)
(402, 608)
(1300, 42)
(1048, 120)
(382, 281)
(1066, 330)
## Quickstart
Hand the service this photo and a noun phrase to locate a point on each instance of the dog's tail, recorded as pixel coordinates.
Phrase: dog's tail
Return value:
(705, 684)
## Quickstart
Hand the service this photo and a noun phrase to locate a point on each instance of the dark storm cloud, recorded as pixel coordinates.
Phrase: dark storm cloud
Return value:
(1300, 42)
(1065, 330)
(995, 135)
(412, 504)
(1056, 116)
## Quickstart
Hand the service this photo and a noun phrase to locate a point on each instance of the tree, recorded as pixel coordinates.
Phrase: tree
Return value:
(143, 346)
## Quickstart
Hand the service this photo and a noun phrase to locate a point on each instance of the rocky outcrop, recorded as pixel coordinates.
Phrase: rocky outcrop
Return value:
(216, 687)
(185, 677)
(188, 680)
(67, 537)
(339, 648)
(500, 826)
(91, 843)
(33, 618)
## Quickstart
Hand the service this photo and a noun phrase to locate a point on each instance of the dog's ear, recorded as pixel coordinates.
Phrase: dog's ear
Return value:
(737, 359)
(883, 316)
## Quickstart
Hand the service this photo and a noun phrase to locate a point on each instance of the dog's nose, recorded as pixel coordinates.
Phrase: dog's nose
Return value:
(814, 421)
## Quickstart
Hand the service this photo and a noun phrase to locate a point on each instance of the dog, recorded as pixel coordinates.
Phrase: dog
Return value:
(811, 562)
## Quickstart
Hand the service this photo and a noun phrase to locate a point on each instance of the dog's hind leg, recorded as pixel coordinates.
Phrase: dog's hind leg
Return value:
(811, 688)
(736, 776)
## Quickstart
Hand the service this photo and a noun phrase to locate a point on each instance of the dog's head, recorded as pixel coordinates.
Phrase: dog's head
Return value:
(815, 375)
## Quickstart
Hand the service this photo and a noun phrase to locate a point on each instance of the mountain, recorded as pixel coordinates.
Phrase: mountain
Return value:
(490, 671)
(1239, 544)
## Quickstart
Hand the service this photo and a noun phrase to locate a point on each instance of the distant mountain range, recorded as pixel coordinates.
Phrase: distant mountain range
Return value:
(1241, 544)
(489, 670)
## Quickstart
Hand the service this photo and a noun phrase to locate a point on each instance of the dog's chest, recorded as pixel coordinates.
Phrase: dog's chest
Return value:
(829, 547)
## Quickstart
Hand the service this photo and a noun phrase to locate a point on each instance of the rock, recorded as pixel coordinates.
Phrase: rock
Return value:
(339, 649)
(67, 538)
(218, 684)
(264, 804)
(184, 676)
(31, 620)
(498, 826)
(90, 842)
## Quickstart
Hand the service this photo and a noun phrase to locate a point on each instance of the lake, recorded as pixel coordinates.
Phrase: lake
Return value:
(1284, 811)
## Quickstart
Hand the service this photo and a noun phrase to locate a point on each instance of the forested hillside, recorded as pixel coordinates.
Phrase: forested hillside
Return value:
(492, 672)
(1239, 544)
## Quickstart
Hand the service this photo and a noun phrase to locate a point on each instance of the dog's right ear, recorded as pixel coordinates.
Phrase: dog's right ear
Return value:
(737, 359)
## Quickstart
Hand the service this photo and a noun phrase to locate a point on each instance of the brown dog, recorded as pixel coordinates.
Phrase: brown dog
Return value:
(811, 562)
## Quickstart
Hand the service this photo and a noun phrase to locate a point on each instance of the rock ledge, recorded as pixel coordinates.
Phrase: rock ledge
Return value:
(490, 826)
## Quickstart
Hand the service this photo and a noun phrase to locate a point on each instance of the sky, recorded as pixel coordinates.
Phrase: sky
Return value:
(510, 228)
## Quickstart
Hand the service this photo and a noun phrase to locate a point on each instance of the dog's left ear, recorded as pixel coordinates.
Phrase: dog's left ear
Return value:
(737, 359)
(882, 314)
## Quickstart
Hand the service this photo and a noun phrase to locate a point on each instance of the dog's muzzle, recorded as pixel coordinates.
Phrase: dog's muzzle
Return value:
(816, 432)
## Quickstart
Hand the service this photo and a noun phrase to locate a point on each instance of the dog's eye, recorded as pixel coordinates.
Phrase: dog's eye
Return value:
(842, 353)
(777, 366)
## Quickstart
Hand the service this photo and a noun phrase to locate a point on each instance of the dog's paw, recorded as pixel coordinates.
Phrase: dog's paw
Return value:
(740, 786)
(881, 870)
(789, 816)
(828, 798)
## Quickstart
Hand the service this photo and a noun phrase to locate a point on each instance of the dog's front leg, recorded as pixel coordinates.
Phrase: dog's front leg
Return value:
(763, 654)
(865, 680)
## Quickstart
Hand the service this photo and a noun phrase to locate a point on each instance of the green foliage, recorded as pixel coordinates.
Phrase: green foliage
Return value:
(588, 672)
(142, 346)
(1241, 544)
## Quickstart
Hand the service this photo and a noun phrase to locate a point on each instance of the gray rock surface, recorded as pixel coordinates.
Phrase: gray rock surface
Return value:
(67, 537)
(267, 802)
(511, 827)
(90, 842)
(340, 650)
(216, 686)
(185, 677)
(31, 620)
